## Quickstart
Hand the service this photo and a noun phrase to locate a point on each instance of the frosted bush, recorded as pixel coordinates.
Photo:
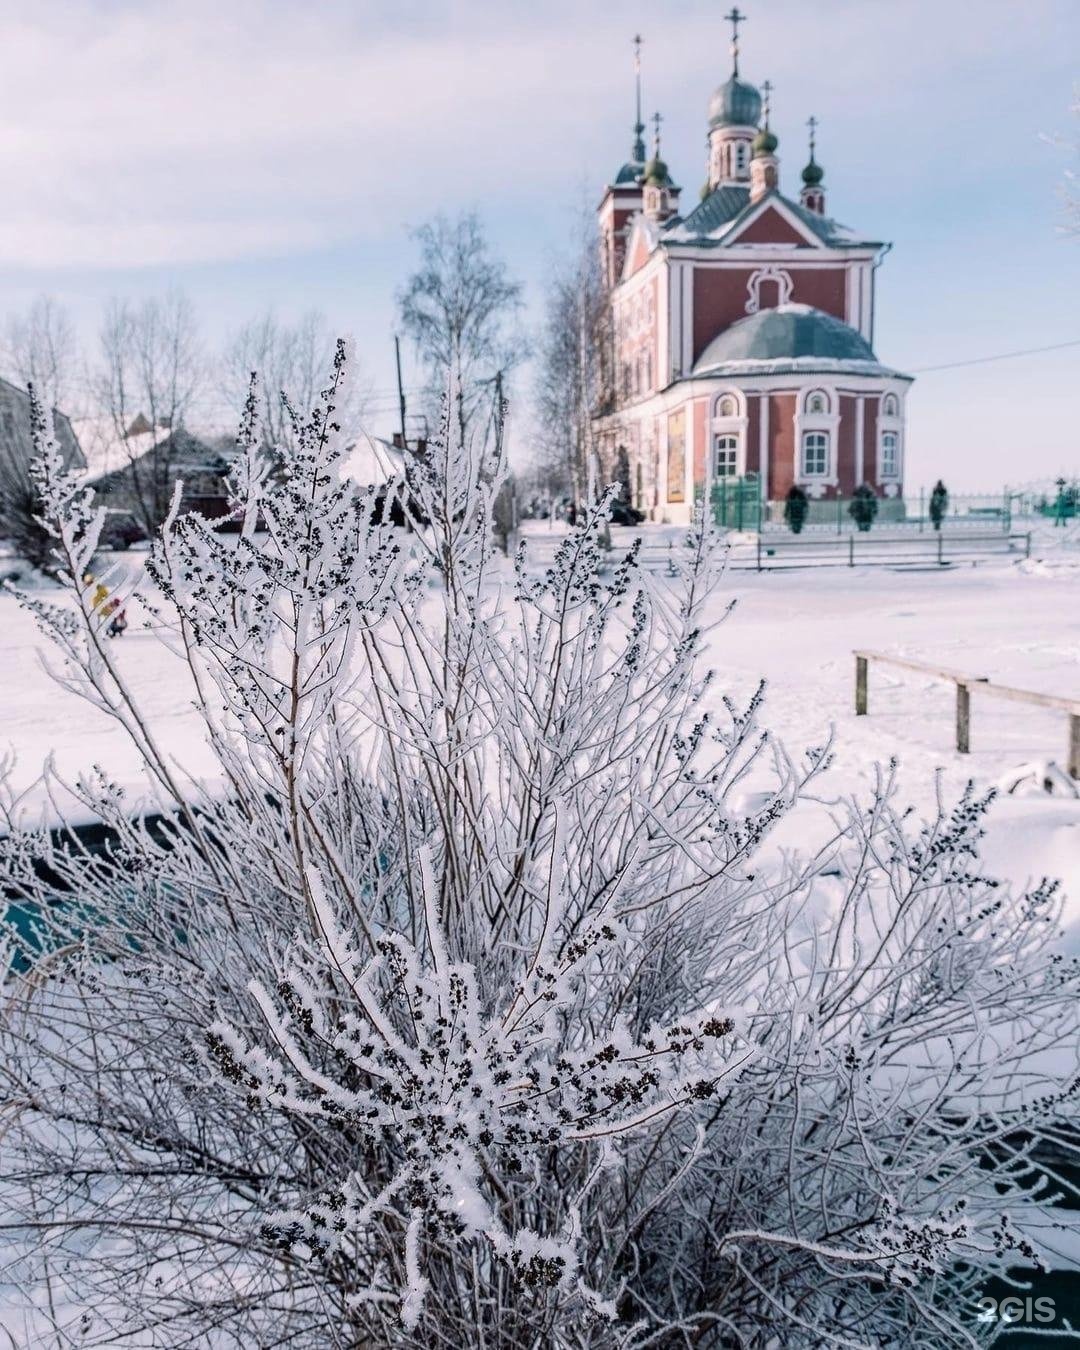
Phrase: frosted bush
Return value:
(466, 1007)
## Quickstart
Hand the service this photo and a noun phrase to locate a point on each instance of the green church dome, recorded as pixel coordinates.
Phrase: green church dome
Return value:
(735, 104)
(813, 174)
(788, 333)
(630, 173)
(656, 173)
(765, 142)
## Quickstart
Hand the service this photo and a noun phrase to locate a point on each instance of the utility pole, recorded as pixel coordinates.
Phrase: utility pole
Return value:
(400, 389)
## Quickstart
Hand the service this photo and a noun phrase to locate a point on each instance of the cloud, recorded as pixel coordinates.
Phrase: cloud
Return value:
(163, 133)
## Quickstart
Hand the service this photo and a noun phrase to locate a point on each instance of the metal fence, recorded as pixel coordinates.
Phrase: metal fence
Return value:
(764, 552)
(737, 504)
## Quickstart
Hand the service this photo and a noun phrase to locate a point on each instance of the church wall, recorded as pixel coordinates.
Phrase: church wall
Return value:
(870, 443)
(781, 444)
(657, 363)
(823, 288)
(701, 440)
(720, 296)
(847, 471)
(753, 433)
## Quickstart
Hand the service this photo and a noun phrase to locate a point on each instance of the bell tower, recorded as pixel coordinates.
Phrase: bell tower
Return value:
(764, 167)
(812, 195)
(624, 195)
(661, 194)
(734, 110)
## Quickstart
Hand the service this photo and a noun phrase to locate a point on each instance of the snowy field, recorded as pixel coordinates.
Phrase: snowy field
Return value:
(1012, 621)
(1016, 622)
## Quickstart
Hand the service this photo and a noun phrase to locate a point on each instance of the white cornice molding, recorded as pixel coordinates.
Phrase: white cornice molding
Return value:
(752, 255)
(699, 386)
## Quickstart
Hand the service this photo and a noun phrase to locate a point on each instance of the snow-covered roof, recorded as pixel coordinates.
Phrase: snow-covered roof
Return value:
(105, 448)
(790, 339)
(372, 460)
(725, 208)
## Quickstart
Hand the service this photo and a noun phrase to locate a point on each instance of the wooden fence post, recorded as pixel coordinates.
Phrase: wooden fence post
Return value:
(940, 542)
(860, 688)
(851, 550)
(963, 719)
(1074, 746)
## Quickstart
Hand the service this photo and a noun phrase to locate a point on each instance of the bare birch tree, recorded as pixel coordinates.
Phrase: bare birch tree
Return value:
(41, 349)
(461, 310)
(152, 366)
(291, 359)
(572, 365)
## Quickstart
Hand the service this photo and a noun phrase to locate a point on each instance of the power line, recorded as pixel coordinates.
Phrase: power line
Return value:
(1002, 356)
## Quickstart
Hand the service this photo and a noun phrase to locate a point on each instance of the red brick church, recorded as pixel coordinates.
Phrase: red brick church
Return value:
(742, 330)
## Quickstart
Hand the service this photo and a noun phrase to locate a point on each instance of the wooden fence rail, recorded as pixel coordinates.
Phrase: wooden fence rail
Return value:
(965, 683)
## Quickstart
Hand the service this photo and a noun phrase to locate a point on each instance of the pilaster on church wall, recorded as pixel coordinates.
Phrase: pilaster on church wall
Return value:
(701, 442)
(781, 445)
(661, 467)
(654, 332)
(870, 440)
(847, 470)
(752, 454)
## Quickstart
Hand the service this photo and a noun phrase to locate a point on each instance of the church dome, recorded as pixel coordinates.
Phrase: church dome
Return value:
(656, 173)
(788, 333)
(735, 104)
(765, 142)
(813, 174)
(630, 173)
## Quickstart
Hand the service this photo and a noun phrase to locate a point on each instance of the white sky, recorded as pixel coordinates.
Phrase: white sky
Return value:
(276, 153)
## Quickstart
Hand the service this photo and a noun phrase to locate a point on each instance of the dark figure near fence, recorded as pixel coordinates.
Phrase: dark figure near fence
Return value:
(939, 503)
(864, 506)
(795, 508)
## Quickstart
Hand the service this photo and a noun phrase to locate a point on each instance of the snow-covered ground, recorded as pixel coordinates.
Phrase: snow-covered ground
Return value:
(1016, 622)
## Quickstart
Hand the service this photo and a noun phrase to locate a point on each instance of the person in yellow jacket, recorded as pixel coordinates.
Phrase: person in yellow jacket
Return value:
(101, 593)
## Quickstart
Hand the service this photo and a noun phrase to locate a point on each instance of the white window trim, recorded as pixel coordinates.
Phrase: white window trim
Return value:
(828, 422)
(890, 426)
(740, 450)
(769, 273)
(816, 475)
(728, 426)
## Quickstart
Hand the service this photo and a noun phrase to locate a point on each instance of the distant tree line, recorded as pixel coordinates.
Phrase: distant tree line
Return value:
(152, 373)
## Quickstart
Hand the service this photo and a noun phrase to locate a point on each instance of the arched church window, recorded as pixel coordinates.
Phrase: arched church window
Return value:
(815, 454)
(740, 157)
(890, 454)
(726, 456)
(889, 406)
(817, 401)
(727, 407)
